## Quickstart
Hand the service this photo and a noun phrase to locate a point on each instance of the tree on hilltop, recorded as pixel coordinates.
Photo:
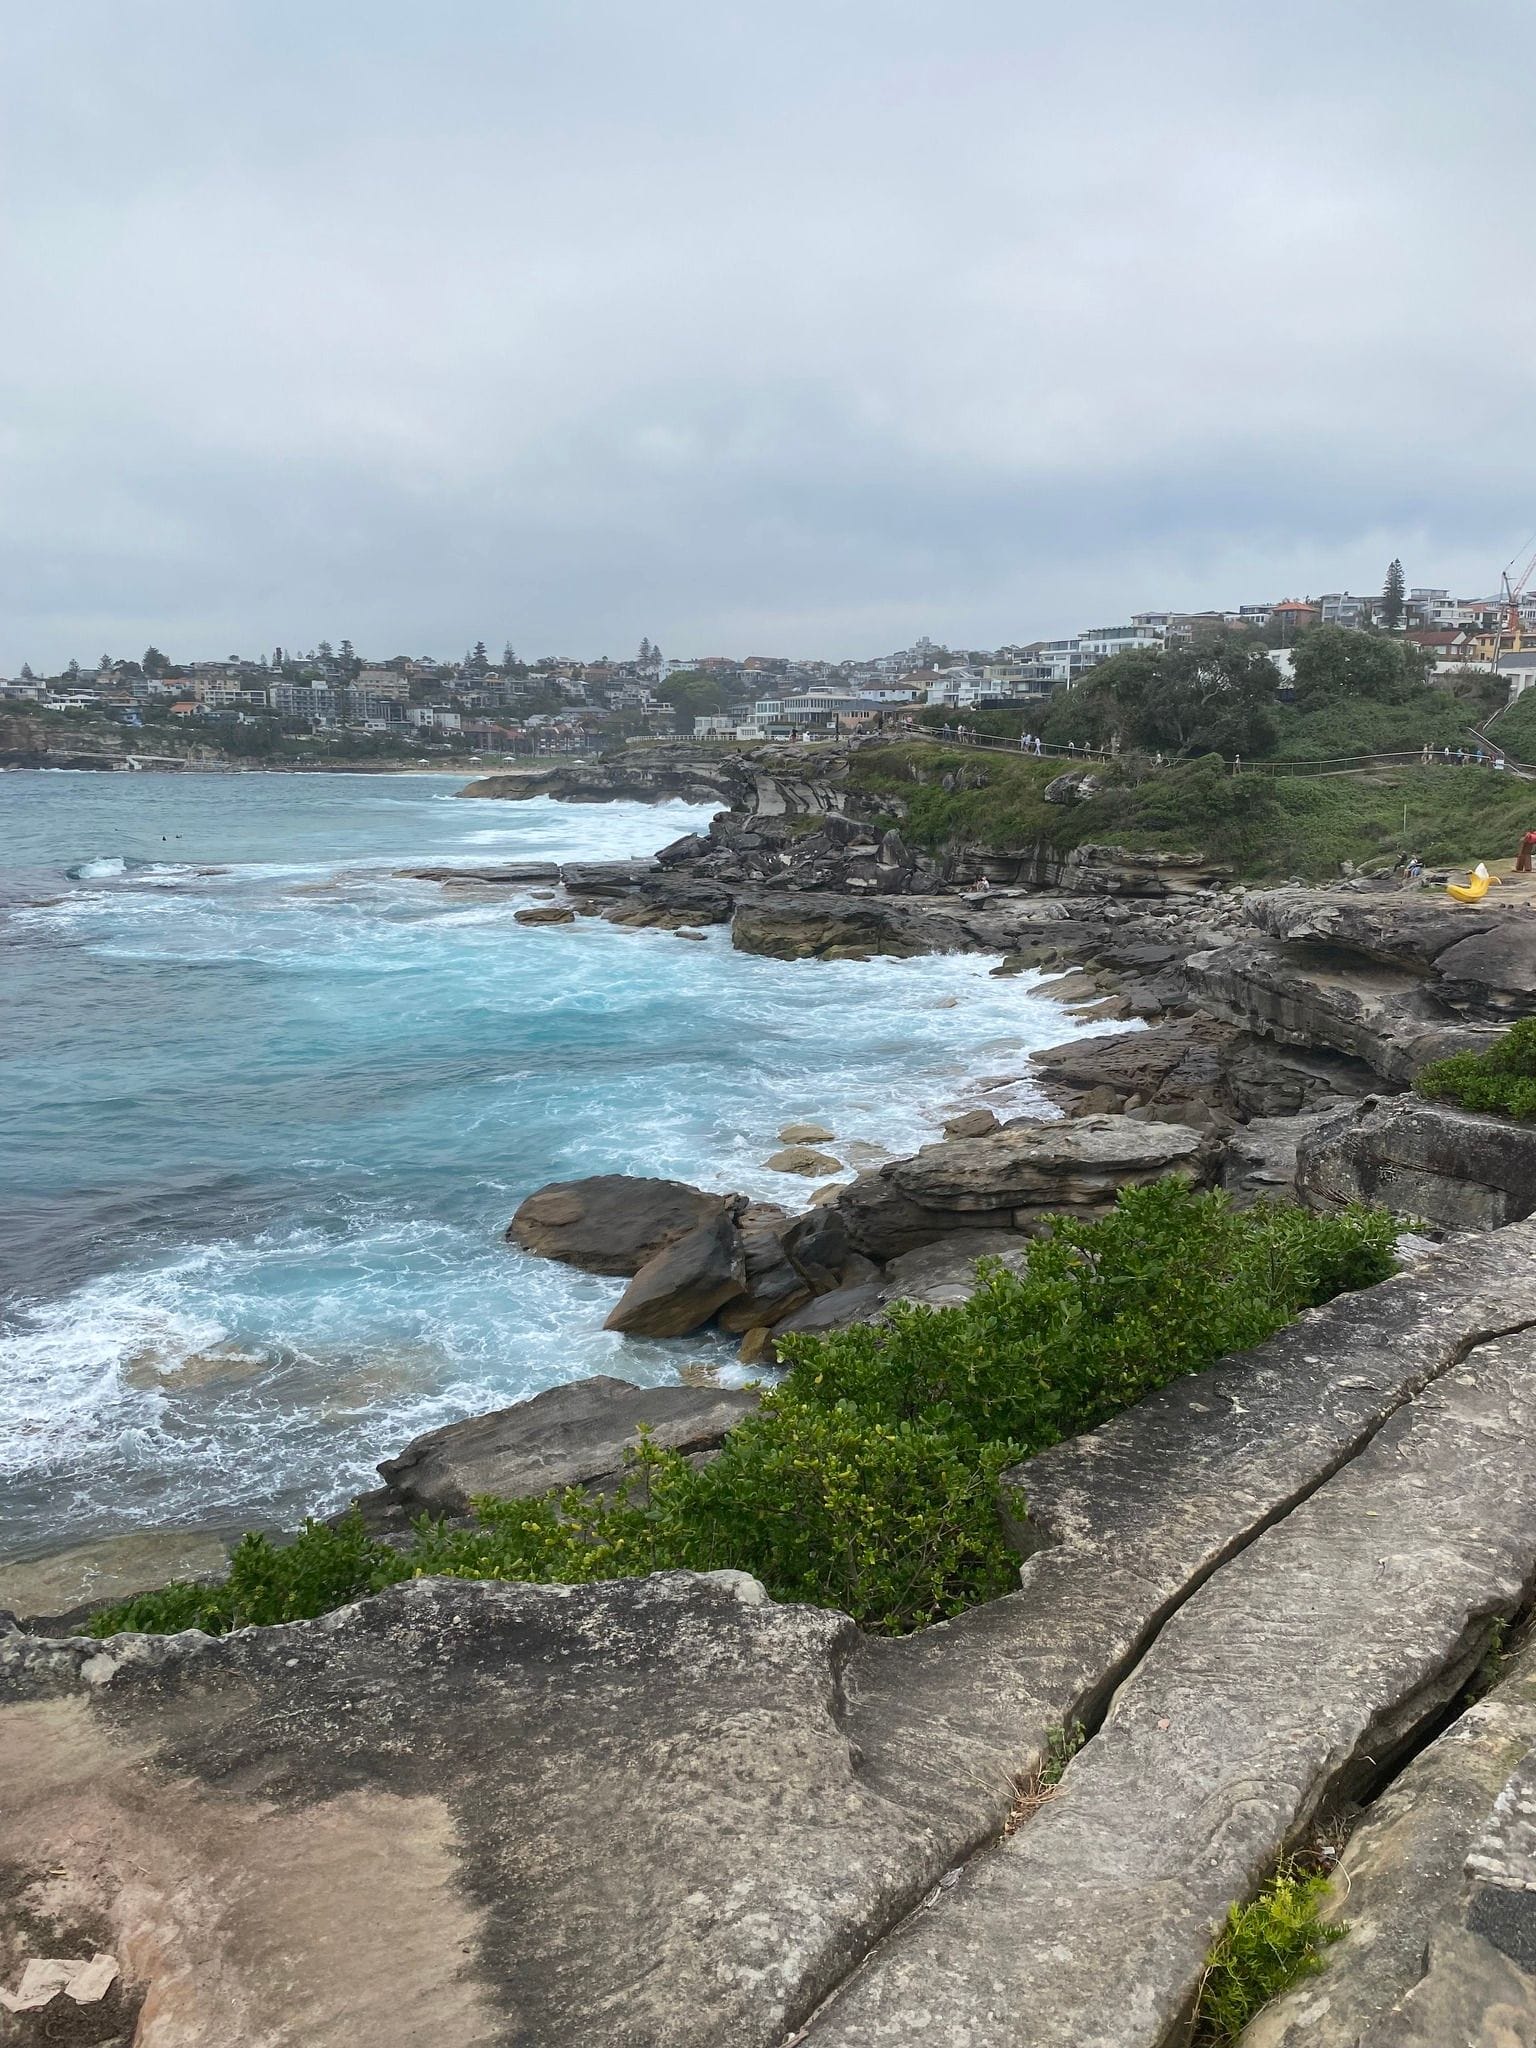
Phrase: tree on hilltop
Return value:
(1334, 664)
(1215, 698)
(154, 662)
(691, 695)
(1392, 596)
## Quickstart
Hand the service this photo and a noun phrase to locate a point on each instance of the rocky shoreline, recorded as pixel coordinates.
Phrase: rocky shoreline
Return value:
(669, 1813)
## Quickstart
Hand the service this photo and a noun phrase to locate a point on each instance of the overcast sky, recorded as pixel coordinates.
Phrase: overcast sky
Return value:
(792, 327)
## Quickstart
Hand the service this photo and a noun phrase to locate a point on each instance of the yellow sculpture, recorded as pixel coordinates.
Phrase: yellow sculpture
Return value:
(1474, 888)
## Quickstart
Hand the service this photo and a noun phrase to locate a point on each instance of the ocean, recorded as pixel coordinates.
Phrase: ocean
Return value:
(266, 1108)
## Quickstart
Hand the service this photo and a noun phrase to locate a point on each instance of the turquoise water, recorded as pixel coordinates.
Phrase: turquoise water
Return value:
(266, 1107)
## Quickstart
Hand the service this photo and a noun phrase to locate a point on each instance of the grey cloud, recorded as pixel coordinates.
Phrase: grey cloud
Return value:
(808, 327)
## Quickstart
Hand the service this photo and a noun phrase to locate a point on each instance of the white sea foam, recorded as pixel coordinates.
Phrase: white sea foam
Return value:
(369, 1073)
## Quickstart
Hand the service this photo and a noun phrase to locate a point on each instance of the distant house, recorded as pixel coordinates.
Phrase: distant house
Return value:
(183, 708)
(1292, 614)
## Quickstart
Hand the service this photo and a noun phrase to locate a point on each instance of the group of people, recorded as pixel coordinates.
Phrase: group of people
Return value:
(1459, 757)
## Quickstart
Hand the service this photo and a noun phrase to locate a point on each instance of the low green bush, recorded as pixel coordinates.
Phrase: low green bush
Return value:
(1502, 1079)
(1266, 1947)
(870, 1480)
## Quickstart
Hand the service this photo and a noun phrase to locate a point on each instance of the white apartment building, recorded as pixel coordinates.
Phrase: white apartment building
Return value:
(1102, 643)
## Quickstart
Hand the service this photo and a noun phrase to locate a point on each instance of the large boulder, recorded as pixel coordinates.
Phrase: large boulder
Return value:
(612, 1222)
(774, 1286)
(1386, 1016)
(1449, 1167)
(575, 1435)
(831, 928)
(1015, 1178)
(681, 1287)
(1199, 1059)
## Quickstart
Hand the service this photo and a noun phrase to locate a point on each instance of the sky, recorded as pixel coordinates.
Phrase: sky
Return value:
(802, 327)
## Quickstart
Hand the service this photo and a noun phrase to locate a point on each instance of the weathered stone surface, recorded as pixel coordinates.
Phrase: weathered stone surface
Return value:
(545, 913)
(1259, 1163)
(803, 1159)
(679, 1289)
(1401, 1876)
(806, 1134)
(1198, 1059)
(1478, 959)
(605, 877)
(112, 1568)
(971, 1123)
(819, 927)
(821, 1794)
(1013, 1178)
(222, 1811)
(774, 1286)
(820, 1247)
(1453, 1168)
(943, 1274)
(1385, 1016)
(611, 1223)
(574, 1435)
(507, 871)
(1297, 1672)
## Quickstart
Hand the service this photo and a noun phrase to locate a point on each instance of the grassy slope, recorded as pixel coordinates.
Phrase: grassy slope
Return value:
(1291, 825)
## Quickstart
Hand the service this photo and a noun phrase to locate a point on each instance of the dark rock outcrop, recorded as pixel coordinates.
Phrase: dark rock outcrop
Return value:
(574, 1435)
(1015, 1178)
(828, 928)
(1184, 1060)
(1427, 1160)
(680, 1288)
(612, 1222)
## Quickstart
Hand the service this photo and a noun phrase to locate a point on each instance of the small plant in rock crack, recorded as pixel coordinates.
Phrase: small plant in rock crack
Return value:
(1266, 1947)
(1061, 1745)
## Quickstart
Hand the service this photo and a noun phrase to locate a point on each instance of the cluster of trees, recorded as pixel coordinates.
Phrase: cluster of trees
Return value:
(692, 694)
(1218, 696)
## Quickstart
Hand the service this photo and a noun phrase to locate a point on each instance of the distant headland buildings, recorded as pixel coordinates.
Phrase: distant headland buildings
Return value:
(481, 704)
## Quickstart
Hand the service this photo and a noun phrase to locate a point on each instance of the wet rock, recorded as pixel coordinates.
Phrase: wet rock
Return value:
(681, 1287)
(805, 1160)
(575, 1435)
(546, 913)
(70, 1582)
(610, 1223)
(774, 1286)
(1450, 1167)
(509, 871)
(806, 1134)
(971, 1123)
(828, 928)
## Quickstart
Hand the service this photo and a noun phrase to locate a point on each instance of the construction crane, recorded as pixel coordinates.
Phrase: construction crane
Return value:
(1512, 589)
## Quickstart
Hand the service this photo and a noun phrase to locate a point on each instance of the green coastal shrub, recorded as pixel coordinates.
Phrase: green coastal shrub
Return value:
(1264, 1949)
(1503, 1079)
(870, 1479)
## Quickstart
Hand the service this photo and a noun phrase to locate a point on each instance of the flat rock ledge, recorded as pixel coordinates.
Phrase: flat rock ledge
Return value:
(669, 1813)
(580, 1434)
